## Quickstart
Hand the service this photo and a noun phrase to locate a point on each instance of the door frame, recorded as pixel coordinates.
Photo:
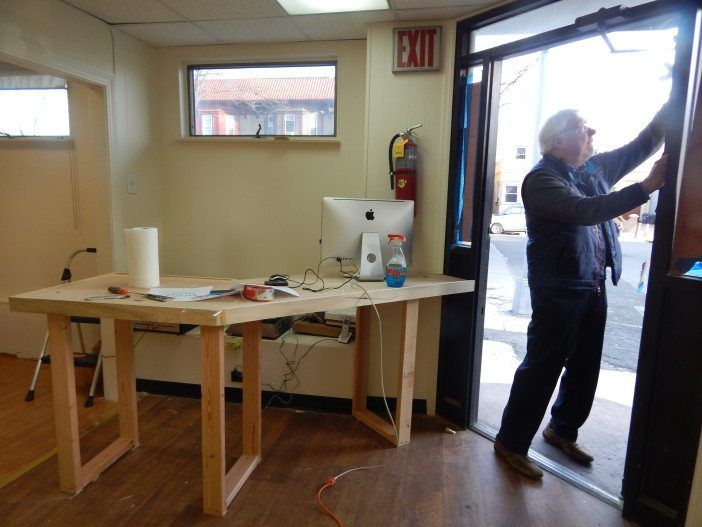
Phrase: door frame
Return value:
(460, 346)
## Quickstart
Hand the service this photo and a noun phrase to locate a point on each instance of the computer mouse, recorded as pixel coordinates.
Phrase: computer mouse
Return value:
(277, 281)
(278, 277)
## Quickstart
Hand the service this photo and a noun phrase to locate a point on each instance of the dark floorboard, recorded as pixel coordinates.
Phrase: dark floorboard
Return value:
(438, 479)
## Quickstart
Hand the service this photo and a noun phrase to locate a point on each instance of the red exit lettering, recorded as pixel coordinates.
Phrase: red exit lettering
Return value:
(415, 48)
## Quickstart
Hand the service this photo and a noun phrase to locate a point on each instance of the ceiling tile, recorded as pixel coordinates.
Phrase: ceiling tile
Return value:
(127, 11)
(340, 26)
(426, 4)
(225, 9)
(279, 29)
(438, 13)
(170, 34)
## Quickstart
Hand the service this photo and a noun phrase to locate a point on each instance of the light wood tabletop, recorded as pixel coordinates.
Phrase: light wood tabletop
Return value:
(220, 486)
(69, 299)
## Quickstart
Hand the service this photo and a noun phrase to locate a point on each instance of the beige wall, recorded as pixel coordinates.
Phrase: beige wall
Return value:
(395, 101)
(110, 74)
(245, 207)
(53, 202)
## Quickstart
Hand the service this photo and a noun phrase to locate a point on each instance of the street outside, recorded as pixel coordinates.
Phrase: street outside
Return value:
(624, 314)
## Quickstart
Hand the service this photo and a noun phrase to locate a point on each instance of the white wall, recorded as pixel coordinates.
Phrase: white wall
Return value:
(112, 95)
(395, 101)
(52, 203)
(246, 207)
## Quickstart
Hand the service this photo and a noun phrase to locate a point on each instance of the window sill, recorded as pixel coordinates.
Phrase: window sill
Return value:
(36, 139)
(267, 139)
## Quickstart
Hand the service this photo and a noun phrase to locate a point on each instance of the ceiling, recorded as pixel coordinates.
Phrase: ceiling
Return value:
(203, 22)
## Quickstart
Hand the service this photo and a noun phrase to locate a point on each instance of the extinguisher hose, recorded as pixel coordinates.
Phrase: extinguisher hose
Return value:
(391, 171)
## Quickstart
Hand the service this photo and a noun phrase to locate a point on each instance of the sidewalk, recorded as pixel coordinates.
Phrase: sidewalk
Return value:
(499, 359)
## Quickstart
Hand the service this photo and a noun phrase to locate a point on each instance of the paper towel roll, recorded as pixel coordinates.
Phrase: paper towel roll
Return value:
(142, 256)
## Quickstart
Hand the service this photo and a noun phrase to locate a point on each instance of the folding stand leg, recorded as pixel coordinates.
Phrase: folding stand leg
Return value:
(80, 338)
(91, 396)
(30, 394)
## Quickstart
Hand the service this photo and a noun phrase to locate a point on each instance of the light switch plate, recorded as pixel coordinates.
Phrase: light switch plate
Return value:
(131, 184)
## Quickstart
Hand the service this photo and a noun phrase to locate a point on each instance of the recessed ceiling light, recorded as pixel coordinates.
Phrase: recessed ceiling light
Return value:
(308, 7)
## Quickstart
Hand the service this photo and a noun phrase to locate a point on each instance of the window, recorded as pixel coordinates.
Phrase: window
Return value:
(511, 193)
(521, 152)
(206, 125)
(33, 105)
(309, 124)
(536, 21)
(280, 99)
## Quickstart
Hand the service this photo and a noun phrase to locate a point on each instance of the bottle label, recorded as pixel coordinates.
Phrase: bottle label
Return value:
(395, 275)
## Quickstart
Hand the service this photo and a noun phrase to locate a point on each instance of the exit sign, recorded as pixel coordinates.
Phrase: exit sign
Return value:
(417, 49)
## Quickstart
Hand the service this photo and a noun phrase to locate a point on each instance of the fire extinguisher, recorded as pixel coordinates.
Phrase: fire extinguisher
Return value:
(403, 172)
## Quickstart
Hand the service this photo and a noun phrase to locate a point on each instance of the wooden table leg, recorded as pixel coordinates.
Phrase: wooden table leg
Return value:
(405, 381)
(126, 382)
(405, 386)
(220, 486)
(213, 455)
(126, 399)
(63, 381)
(251, 428)
(72, 475)
(360, 351)
(252, 389)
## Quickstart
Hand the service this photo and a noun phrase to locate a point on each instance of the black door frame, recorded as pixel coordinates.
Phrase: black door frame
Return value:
(463, 315)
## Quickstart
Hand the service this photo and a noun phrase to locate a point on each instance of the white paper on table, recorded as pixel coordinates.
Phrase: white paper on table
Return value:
(285, 290)
(235, 290)
(182, 294)
(190, 294)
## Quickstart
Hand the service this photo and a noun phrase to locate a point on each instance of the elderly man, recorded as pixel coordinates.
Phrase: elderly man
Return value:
(571, 241)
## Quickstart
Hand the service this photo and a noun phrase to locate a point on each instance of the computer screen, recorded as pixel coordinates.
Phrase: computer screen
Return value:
(344, 220)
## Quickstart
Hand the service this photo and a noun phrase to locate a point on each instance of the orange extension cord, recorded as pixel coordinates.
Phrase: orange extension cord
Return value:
(328, 512)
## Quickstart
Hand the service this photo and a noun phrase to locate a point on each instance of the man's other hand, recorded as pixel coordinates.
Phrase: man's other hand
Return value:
(656, 179)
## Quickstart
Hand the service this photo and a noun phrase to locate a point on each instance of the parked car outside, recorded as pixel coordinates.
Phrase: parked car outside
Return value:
(511, 219)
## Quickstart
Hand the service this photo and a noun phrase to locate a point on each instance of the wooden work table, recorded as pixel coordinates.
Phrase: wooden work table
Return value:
(220, 486)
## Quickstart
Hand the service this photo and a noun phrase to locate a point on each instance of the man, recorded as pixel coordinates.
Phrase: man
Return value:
(571, 240)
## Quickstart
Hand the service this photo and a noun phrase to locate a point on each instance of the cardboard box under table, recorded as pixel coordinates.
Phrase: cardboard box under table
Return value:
(213, 316)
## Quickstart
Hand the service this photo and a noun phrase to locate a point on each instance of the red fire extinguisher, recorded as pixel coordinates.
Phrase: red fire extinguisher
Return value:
(403, 172)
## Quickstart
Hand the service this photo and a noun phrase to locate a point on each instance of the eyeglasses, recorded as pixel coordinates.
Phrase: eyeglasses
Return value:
(580, 129)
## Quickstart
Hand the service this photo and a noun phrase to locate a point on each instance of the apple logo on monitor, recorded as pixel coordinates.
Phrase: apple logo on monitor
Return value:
(370, 215)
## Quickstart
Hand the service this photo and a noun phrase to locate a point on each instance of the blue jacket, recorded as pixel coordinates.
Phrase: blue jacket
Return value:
(563, 204)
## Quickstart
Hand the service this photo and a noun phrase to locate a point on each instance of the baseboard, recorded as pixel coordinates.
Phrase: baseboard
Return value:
(318, 403)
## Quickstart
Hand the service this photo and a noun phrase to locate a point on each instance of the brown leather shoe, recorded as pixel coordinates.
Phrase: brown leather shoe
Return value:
(522, 464)
(571, 448)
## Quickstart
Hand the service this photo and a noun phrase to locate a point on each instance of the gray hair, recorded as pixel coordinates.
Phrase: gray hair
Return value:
(554, 126)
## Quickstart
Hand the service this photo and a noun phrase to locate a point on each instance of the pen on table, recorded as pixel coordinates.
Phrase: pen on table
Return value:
(119, 290)
(107, 297)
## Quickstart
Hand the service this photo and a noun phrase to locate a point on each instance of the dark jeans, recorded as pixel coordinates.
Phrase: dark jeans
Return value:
(566, 329)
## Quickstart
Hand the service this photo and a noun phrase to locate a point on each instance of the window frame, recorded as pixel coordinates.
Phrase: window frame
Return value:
(189, 109)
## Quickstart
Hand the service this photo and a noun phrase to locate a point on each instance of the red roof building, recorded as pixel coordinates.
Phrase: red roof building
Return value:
(272, 106)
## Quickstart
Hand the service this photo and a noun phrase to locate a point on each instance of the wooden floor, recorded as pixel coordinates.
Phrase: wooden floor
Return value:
(27, 429)
(438, 479)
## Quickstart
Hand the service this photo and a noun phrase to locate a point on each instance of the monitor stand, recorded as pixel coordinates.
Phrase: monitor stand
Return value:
(371, 259)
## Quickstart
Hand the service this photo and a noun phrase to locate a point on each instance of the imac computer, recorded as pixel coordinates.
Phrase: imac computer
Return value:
(358, 228)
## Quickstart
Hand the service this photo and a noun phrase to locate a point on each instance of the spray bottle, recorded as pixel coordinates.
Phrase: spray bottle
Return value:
(396, 269)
